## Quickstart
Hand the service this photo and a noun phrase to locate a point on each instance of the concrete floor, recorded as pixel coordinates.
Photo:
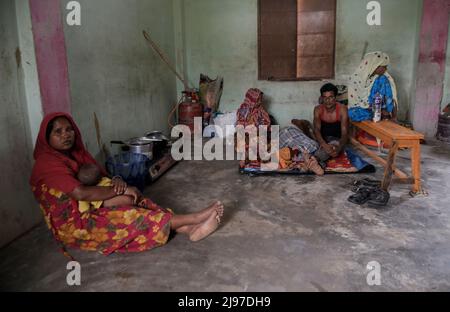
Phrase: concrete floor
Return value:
(284, 233)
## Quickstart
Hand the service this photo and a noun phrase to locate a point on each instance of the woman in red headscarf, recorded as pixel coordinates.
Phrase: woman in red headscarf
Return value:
(59, 154)
(252, 112)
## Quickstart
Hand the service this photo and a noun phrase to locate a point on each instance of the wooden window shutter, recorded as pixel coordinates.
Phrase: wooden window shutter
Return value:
(316, 38)
(296, 39)
(277, 39)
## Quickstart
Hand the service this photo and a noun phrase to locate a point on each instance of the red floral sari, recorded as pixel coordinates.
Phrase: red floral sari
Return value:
(107, 230)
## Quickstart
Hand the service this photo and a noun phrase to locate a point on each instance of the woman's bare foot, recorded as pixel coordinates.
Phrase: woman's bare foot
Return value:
(205, 229)
(219, 209)
(313, 165)
(202, 215)
(187, 229)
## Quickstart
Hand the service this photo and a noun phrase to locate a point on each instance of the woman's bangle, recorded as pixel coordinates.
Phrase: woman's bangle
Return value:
(116, 177)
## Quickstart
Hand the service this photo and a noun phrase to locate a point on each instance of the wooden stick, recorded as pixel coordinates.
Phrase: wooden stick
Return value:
(415, 163)
(97, 131)
(403, 181)
(101, 146)
(371, 154)
(164, 58)
(389, 167)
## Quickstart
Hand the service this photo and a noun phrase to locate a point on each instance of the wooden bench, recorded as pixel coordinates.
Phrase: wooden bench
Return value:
(396, 137)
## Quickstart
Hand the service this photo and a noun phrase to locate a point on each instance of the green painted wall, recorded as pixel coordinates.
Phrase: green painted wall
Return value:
(446, 95)
(31, 93)
(221, 39)
(113, 71)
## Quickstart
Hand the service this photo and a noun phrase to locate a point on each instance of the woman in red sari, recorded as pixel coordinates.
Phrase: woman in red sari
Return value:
(59, 153)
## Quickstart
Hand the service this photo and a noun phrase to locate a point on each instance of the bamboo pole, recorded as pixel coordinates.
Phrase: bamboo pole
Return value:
(101, 146)
(164, 58)
(387, 179)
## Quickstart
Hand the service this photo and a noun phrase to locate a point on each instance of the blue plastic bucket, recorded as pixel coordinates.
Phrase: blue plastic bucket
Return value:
(132, 167)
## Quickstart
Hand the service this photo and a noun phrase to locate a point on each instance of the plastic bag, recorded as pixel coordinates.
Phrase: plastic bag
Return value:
(224, 120)
(210, 94)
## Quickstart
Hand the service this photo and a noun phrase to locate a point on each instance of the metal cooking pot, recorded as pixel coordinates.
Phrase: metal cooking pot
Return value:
(161, 143)
(141, 145)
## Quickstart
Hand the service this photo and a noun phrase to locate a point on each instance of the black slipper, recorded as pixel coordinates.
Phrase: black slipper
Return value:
(371, 188)
(365, 182)
(379, 199)
(361, 197)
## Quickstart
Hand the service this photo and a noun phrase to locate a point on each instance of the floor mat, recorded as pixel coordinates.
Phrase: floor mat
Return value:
(348, 162)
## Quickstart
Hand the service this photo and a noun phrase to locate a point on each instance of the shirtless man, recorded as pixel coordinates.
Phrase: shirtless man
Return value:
(328, 135)
(330, 124)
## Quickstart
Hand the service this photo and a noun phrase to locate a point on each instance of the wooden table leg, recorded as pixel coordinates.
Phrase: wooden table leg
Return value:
(389, 170)
(415, 164)
(377, 158)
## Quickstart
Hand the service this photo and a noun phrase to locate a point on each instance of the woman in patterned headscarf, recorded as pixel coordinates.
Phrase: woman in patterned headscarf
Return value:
(251, 112)
(59, 154)
(371, 78)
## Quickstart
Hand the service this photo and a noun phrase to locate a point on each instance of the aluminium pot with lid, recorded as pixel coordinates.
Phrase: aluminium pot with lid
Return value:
(139, 145)
(161, 143)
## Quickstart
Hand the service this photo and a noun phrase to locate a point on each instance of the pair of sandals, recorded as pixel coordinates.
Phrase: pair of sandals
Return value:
(369, 191)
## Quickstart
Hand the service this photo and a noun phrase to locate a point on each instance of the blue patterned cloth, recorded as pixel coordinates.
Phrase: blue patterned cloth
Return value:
(358, 114)
(381, 86)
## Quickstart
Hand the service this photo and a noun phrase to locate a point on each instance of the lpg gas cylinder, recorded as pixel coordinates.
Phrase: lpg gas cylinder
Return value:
(189, 109)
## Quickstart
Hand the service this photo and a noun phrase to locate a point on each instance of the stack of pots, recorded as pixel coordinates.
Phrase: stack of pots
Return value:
(144, 145)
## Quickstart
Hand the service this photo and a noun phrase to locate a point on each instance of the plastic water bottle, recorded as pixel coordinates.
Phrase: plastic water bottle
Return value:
(377, 107)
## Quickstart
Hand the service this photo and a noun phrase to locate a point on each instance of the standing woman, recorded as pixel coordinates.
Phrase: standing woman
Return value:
(58, 154)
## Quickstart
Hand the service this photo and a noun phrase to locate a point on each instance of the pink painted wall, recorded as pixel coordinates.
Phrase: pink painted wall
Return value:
(50, 55)
(431, 66)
